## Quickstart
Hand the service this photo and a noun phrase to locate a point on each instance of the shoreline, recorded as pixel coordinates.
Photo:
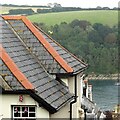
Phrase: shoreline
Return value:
(103, 77)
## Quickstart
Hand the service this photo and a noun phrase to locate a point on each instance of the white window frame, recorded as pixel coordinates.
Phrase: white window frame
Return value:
(21, 106)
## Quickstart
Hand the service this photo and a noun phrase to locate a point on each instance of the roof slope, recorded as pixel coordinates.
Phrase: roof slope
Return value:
(76, 64)
(54, 93)
(14, 69)
(51, 55)
(48, 57)
(7, 78)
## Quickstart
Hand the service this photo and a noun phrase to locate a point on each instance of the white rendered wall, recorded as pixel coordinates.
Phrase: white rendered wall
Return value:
(6, 101)
(62, 113)
(77, 111)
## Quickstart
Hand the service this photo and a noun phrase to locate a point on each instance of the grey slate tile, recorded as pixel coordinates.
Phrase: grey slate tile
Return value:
(65, 55)
(47, 88)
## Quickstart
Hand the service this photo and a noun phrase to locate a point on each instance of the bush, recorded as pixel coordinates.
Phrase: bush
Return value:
(21, 11)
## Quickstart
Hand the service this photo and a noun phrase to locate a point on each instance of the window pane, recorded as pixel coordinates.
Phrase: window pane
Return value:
(32, 109)
(25, 114)
(16, 114)
(16, 109)
(24, 109)
(31, 114)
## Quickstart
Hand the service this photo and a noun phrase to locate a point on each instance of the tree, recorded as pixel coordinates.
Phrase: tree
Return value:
(106, 8)
(97, 46)
(102, 30)
(84, 24)
(56, 5)
(95, 37)
(21, 11)
(81, 23)
(74, 23)
(99, 8)
(111, 38)
(50, 5)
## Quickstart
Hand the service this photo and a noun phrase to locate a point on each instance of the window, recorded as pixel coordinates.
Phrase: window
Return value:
(24, 112)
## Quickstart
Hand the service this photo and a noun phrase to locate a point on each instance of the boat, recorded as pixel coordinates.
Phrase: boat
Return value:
(117, 83)
(116, 112)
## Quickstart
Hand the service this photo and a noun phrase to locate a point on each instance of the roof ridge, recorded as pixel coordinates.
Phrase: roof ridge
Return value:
(61, 46)
(43, 41)
(14, 69)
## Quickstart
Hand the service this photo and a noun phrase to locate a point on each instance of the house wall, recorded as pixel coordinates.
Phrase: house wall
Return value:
(90, 92)
(62, 113)
(8, 100)
(0, 107)
(65, 80)
(77, 111)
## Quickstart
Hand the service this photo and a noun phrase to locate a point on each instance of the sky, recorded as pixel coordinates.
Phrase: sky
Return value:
(66, 3)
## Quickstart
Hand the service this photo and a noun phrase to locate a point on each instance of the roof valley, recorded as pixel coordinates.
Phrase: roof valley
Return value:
(17, 56)
(35, 56)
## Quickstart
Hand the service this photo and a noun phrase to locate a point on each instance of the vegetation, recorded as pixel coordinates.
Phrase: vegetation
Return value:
(6, 8)
(58, 9)
(12, 5)
(92, 35)
(95, 44)
(21, 11)
(106, 17)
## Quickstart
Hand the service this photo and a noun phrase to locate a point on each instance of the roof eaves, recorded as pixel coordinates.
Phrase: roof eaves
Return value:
(67, 101)
(62, 47)
(80, 70)
(44, 42)
(14, 69)
(41, 102)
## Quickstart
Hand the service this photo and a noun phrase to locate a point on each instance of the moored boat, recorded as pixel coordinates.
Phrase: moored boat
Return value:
(116, 112)
(117, 83)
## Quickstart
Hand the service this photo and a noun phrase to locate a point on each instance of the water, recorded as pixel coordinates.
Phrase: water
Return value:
(105, 93)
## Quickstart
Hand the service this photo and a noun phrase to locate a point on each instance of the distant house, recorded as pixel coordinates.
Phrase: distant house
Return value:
(38, 77)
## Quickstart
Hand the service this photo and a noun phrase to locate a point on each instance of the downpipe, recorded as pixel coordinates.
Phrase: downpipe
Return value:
(75, 97)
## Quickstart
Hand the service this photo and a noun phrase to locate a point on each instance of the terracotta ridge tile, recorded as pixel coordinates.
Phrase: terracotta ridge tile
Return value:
(14, 69)
(61, 46)
(44, 42)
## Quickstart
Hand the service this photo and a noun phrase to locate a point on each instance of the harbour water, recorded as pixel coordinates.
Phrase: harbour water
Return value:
(105, 94)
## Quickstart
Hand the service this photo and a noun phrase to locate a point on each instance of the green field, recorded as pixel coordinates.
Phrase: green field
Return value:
(106, 17)
(5, 9)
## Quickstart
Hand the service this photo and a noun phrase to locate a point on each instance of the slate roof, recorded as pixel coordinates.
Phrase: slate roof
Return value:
(76, 64)
(22, 70)
(52, 56)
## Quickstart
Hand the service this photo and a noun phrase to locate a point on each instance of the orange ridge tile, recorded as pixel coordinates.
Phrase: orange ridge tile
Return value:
(62, 47)
(14, 69)
(12, 17)
(44, 42)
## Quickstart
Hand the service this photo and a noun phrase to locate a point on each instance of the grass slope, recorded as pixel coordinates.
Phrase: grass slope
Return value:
(106, 17)
(5, 9)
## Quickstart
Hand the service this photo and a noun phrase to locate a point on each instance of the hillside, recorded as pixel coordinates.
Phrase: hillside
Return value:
(5, 9)
(88, 38)
(106, 17)
(94, 44)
